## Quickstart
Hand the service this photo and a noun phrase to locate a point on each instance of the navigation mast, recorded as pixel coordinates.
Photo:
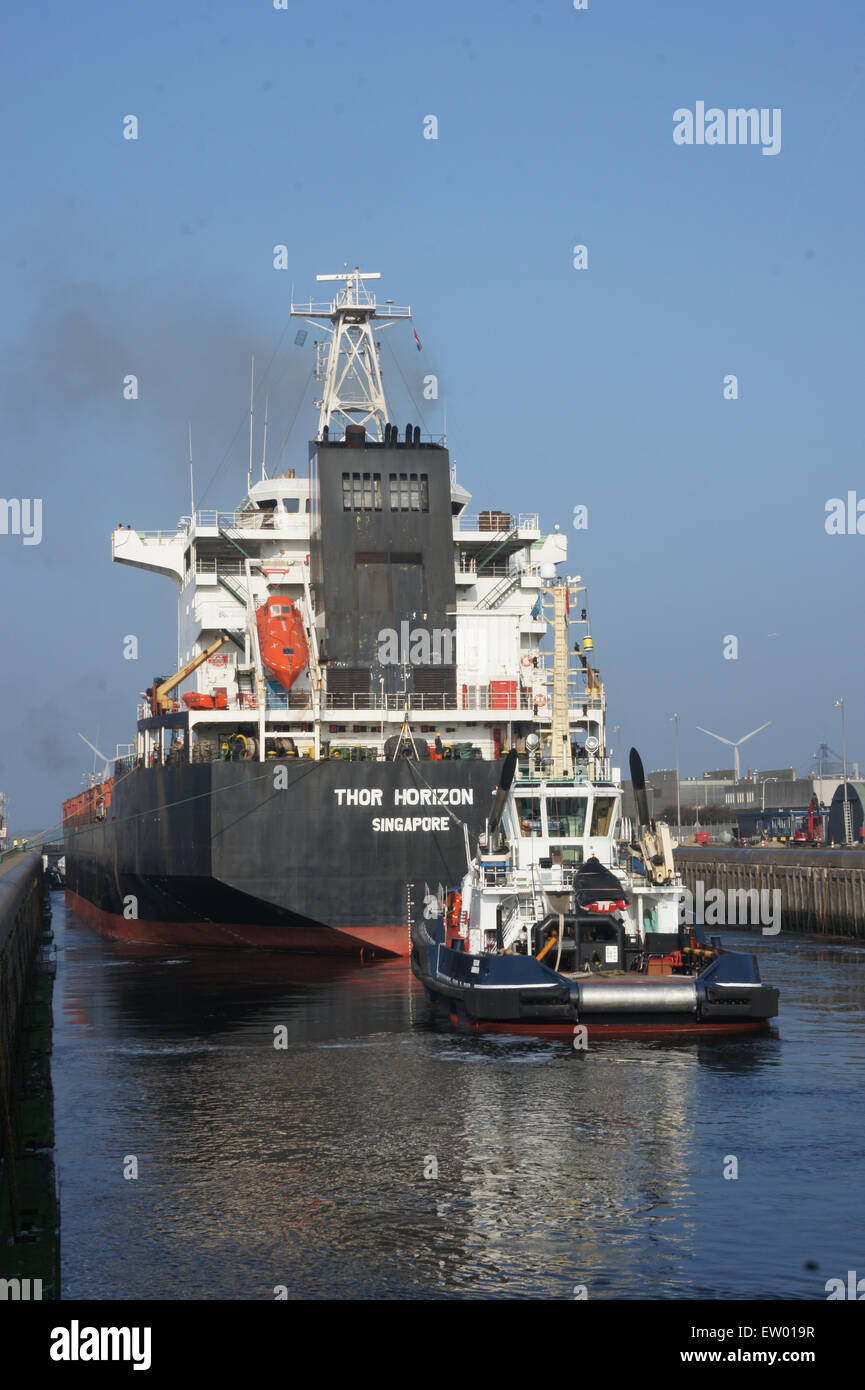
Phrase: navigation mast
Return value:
(349, 365)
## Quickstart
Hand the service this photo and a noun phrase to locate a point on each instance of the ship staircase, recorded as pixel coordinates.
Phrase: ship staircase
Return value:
(229, 588)
(497, 542)
(498, 595)
(508, 582)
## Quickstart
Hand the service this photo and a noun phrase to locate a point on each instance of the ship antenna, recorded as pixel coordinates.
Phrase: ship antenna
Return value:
(349, 365)
(251, 393)
(264, 447)
(191, 486)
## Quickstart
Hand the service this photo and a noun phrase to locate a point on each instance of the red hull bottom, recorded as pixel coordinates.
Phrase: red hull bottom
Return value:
(366, 942)
(617, 1030)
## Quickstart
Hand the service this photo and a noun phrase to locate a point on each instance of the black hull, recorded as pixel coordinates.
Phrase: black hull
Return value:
(277, 855)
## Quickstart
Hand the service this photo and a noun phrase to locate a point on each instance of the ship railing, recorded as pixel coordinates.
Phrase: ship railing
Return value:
(248, 519)
(290, 699)
(541, 769)
(362, 299)
(481, 699)
(237, 569)
(233, 567)
(471, 698)
(494, 523)
(163, 537)
(496, 705)
(497, 569)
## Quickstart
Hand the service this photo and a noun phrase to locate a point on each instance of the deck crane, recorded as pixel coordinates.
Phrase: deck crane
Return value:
(159, 691)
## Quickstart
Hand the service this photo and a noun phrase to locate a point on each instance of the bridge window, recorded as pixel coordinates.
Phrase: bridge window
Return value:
(566, 815)
(602, 815)
(529, 813)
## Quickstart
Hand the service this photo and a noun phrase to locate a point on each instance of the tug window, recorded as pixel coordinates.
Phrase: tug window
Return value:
(650, 916)
(602, 815)
(529, 812)
(566, 816)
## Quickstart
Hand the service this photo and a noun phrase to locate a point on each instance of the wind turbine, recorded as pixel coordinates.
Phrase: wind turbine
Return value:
(734, 745)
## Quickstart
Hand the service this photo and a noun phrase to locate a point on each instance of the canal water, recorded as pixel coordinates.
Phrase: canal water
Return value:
(378, 1155)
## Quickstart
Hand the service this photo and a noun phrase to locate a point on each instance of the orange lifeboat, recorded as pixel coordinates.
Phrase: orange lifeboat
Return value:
(282, 639)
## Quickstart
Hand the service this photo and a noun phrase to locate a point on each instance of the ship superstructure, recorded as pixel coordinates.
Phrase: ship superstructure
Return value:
(413, 603)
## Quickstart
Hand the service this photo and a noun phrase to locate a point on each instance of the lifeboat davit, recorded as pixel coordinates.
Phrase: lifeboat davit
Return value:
(282, 639)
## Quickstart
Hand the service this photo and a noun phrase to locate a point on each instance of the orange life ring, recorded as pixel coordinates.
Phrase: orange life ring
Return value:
(526, 660)
(540, 700)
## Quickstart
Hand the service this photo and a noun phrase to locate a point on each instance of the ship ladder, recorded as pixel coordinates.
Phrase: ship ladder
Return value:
(500, 592)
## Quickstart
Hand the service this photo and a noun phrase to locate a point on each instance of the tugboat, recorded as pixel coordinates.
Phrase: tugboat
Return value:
(558, 925)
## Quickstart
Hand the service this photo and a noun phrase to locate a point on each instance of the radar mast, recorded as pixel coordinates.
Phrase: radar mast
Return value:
(348, 364)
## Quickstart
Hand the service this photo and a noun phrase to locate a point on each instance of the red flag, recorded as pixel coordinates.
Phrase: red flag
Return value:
(567, 602)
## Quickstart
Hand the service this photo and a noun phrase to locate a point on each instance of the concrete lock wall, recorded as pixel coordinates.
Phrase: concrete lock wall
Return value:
(20, 930)
(822, 891)
(29, 1209)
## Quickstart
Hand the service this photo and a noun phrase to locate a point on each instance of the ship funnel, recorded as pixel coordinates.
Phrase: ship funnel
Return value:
(355, 436)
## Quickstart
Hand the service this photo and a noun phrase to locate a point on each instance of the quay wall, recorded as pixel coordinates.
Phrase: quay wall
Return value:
(822, 890)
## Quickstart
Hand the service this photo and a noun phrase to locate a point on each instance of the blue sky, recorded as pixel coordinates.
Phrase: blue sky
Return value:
(600, 387)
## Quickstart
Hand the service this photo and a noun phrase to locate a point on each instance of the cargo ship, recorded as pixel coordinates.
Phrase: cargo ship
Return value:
(357, 649)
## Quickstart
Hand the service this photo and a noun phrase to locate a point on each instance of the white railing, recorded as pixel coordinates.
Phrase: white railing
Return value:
(323, 308)
(227, 567)
(246, 520)
(496, 569)
(164, 537)
(523, 521)
(472, 700)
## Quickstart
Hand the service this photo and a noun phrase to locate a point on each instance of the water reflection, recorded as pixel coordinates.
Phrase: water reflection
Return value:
(304, 1164)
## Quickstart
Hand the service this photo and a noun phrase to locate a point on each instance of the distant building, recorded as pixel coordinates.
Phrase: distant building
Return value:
(775, 802)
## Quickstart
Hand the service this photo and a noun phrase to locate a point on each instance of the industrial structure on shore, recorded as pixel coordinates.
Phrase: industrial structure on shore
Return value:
(771, 804)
